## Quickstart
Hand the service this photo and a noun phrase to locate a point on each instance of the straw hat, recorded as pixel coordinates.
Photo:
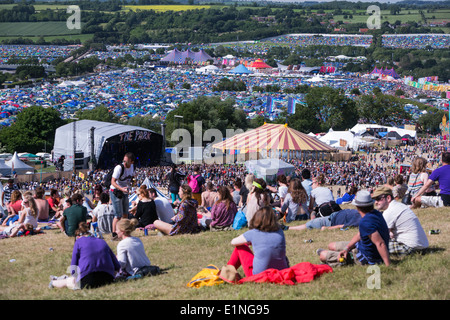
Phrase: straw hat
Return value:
(381, 191)
(229, 274)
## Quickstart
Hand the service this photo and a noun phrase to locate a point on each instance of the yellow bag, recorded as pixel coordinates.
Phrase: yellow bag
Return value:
(208, 276)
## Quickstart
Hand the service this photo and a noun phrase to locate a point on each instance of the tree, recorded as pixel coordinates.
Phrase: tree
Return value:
(211, 111)
(100, 113)
(382, 109)
(147, 122)
(332, 109)
(35, 127)
(304, 119)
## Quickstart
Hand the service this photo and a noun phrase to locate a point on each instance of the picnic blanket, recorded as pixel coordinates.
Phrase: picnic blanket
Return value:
(300, 273)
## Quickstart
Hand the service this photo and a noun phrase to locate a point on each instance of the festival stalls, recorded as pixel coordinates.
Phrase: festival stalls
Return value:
(17, 166)
(269, 169)
(274, 141)
(106, 144)
(343, 140)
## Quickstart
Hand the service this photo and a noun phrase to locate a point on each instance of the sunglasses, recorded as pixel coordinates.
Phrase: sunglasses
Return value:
(379, 198)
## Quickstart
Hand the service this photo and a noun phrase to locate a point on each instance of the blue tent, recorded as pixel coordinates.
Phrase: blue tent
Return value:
(240, 69)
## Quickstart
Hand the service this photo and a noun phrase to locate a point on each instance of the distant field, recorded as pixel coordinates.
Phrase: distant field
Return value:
(47, 28)
(403, 17)
(163, 8)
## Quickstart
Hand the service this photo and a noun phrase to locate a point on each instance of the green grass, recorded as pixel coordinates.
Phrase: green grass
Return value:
(48, 28)
(403, 17)
(420, 277)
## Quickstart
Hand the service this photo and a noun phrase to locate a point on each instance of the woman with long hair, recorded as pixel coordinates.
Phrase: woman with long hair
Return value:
(223, 211)
(185, 220)
(29, 212)
(258, 198)
(295, 204)
(269, 245)
(145, 209)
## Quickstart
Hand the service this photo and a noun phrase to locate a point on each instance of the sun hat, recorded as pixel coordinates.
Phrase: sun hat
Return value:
(362, 199)
(229, 274)
(381, 191)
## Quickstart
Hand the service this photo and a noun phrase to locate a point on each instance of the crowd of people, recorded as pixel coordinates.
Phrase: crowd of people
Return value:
(210, 198)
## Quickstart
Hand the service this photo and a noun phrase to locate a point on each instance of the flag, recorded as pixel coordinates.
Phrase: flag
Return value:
(269, 105)
(291, 105)
(81, 175)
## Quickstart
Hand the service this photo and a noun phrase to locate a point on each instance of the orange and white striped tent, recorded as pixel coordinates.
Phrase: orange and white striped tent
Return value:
(272, 136)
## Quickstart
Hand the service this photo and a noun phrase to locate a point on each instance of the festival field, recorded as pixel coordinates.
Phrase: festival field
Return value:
(164, 8)
(420, 277)
(37, 29)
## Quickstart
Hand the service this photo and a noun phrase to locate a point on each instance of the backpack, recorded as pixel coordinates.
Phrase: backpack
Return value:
(108, 177)
(194, 184)
(208, 276)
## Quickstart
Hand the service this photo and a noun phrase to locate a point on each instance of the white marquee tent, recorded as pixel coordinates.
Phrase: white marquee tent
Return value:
(343, 140)
(18, 166)
(359, 129)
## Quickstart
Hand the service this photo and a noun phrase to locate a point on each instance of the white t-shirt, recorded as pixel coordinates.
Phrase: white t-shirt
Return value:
(164, 209)
(29, 218)
(125, 180)
(105, 215)
(322, 195)
(405, 225)
(282, 191)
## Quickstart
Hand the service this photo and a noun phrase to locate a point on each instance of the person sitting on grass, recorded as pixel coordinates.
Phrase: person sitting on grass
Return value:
(93, 263)
(73, 215)
(295, 203)
(185, 220)
(223, 211)
(130, 250)
(104, 214)
(145, 209)
(369, 246)
(268, 242)
(406, 233)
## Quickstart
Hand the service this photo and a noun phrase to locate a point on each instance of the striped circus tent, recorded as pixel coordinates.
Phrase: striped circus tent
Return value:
(272, 137)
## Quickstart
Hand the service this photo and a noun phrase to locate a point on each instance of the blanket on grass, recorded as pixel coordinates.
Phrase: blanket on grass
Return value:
(300, 273)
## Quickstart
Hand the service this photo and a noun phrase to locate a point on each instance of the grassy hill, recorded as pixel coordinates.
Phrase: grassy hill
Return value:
(419, 277)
